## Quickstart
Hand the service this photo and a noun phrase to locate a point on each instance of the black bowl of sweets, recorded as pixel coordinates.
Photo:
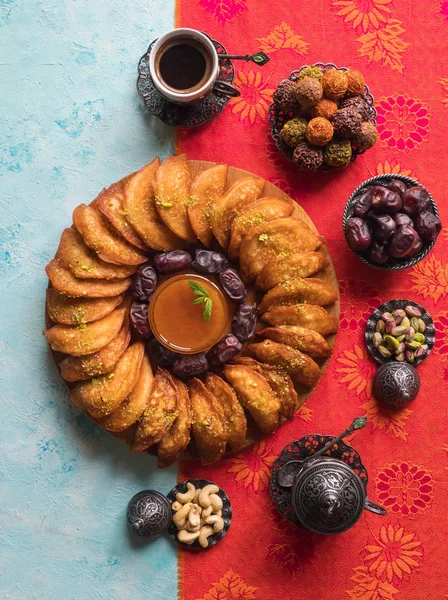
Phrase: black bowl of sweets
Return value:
(323, 117)
(391, 222)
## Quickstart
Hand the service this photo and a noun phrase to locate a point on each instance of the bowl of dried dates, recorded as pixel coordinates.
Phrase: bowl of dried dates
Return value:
(391, 222)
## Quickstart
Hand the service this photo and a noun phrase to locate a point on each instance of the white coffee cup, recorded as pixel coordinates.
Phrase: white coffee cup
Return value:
(211, 82)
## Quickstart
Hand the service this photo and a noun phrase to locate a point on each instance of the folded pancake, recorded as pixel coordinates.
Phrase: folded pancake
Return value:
(159, 414)
(132, 408)
(86, 338)
(141, 212)
(303, 315)
(299, 264)
(80, 260)
(242, 192)
(272, 240)
(100, 396)
(76, 368)
(255, 395)
(111, 203)
(301, 368)
(66, 283)
(209, 428)
(172, 183)
(207, 187)
(280, 382)
(306, 340)
(177, 438)
(100, 236)
(233, 411)
(250, 215)
(77, 311)
(299, 291)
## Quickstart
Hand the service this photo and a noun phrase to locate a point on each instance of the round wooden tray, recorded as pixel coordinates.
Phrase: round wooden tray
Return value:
(328, 274)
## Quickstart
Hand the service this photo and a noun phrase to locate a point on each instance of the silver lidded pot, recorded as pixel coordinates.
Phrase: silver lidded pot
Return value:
(325, 494)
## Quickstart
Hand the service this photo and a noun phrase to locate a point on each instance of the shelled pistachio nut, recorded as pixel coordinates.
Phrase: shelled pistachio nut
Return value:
(413, 311)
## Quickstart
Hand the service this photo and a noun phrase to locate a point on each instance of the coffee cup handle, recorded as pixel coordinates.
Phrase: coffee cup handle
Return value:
(225, 89)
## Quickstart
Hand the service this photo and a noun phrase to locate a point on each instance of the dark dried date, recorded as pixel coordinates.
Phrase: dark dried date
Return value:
(144, 283)
(358, 234)
(224, 350)
(139, 320)
(190, 365)
(232, 285)
(209, 262)
(170, 262)
(161, 355)
(244, 322)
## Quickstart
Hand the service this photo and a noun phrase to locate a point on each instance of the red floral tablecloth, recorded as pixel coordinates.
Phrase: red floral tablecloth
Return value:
(401, 47)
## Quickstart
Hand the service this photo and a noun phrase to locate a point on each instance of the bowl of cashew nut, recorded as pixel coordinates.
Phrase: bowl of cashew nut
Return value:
(201, 514)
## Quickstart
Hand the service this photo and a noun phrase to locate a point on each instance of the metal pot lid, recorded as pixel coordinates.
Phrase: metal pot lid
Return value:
(328, 497)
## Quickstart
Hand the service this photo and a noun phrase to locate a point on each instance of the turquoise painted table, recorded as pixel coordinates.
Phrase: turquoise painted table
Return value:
(70, 123)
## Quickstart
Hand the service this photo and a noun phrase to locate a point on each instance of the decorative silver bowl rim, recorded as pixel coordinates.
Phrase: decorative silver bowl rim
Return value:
(393, 264)
(275, 114)
(389, 306)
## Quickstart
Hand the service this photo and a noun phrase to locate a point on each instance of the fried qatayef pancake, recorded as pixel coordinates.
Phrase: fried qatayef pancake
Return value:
(299, 291)
(79, 340)
(244, 191)
(159, 414)
(255, 395)
(301, 368)
(66, 283)
(100, 236)
(233, 411)
(80, 260)
(140, 207)
(76, 368)
(172, 183)
(275, 239)
(176, 439)
(131, 409)
(303, 315)
(250, 215)
(77, 311)
(102, 395)
(306, 340)
(280, 382)
(111, 203)
(299, 264)
(207, 187)
(209, 429)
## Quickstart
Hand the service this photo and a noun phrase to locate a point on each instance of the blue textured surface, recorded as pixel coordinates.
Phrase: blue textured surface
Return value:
(71, 123)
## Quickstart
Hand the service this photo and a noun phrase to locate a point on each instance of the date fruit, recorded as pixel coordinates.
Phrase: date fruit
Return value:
(224, 350)
(398, 186)
(378, 253)
(415, 200)
(209, 262)
(232, 285)
(190, 365)
(244, 322)
(358, 234)
(384, 200)
(405, 243)
(383, 227)
(170, 262)
(139, 320)
(363, 204)
(144, 283)
(161, 355)
(427, 225)
(403, 219)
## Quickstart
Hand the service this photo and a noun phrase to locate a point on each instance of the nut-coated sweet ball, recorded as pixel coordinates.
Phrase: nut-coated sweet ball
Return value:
(338, 153)
(347, 123)
(319, 131)
(366, 137)
(308, 92)
(359, 104)
(334, 83)
(307, 157)
(313, 72)
(356, 84)
(294, 131)
(324, 108)
(285, 95)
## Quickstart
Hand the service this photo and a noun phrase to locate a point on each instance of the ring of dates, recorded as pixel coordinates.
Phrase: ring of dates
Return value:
(206, 262)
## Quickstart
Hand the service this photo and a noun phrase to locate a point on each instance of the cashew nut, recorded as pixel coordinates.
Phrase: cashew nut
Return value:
(194, 516)
(217, 522)
(188, 527)
(187, 537)
(204, 534)
(204, 496)
(188, 495)
(196, 496)
(206, 512)
(216, 502)
(219, 513)
(181, 516)
(176, 506)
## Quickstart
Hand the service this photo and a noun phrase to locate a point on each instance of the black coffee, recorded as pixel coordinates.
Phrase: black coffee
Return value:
(182, 66)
